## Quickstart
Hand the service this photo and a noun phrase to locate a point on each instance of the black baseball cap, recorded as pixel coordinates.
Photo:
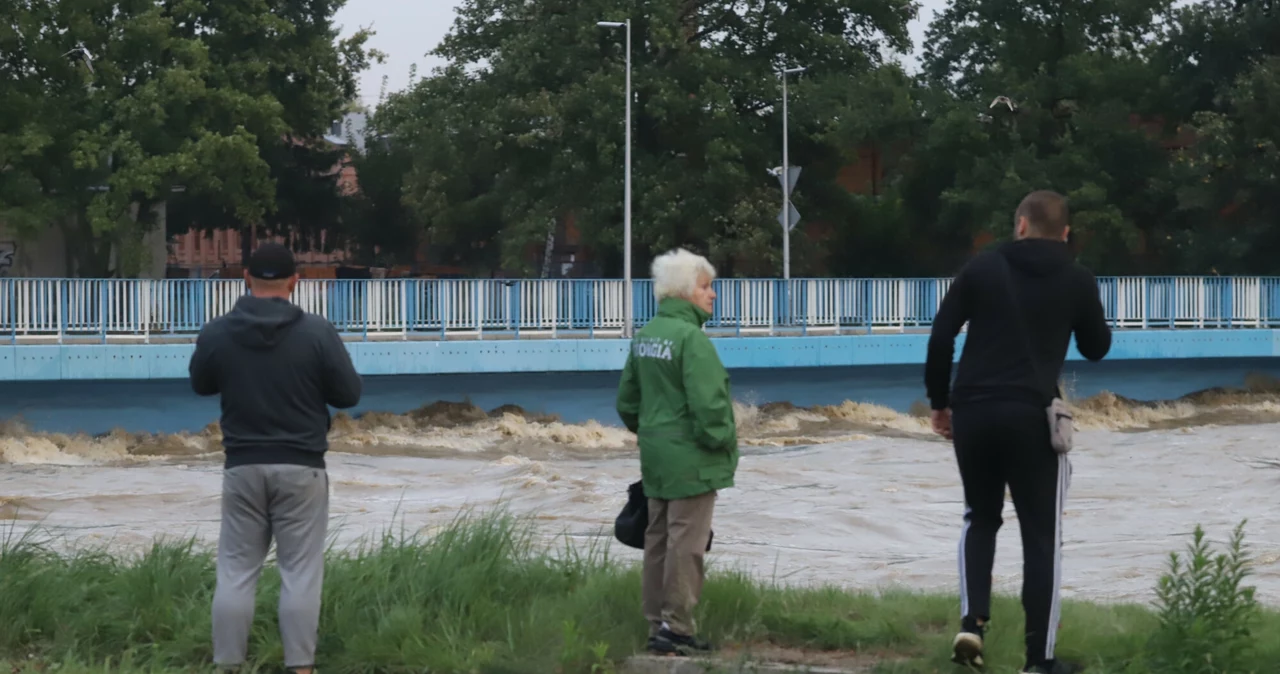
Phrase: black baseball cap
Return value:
(272, 261)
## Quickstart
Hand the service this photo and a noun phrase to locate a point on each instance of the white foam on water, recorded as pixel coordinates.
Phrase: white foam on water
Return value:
(445, 429)
(867, 512)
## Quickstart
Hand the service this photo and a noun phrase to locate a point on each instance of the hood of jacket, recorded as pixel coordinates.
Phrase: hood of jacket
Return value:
(261, 323)
(673, 307)
(1037, 257)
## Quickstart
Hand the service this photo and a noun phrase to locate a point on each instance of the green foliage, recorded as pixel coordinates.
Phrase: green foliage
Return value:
(483, 593)
(1075, 74)
(513, 136)
(1227, 181)
(186, 102)
(1158, 119)
(523, 128)
(1207, 617)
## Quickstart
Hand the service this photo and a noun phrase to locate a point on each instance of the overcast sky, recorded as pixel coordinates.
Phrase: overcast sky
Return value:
(407, 29)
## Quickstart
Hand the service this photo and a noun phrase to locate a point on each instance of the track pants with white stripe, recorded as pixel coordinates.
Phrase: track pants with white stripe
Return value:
(1007, 443)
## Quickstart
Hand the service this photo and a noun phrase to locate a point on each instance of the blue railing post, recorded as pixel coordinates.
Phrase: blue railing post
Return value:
(637, 304)
(1228, 301)
(13, 312)
(103, 309)
(410, 305)
(740, 287)
(1114, 294)
(572, 307)
(442, 295)
(838, 302)
(931, 301)
(184, 299)
(62, 309)
(202, 289)
(778, 316)
(1266, 300)
(803, 301)
(136, 320)
(785, 308)
(516, 299)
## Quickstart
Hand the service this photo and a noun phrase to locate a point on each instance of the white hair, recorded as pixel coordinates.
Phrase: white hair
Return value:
(675, 273)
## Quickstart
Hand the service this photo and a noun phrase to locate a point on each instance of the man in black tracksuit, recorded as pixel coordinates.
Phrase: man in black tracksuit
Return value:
(996, 412)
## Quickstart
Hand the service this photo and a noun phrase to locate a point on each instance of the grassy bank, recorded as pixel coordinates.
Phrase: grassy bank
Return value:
(481, 596)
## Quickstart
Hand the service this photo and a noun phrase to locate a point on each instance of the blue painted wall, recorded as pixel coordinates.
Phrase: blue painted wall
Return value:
(169, 361)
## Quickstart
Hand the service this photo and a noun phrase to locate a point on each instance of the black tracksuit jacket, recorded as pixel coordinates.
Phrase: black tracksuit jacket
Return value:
(1058, 296)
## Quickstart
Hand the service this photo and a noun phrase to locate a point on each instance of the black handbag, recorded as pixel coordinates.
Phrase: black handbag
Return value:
(630, 524)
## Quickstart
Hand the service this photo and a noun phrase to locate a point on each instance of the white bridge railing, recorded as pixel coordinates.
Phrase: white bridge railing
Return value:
(44, 309)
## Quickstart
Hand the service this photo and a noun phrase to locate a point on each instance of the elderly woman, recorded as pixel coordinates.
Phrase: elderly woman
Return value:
(674, 395)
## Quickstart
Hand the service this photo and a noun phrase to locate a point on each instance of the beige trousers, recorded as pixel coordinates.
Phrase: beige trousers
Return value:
(674, 547)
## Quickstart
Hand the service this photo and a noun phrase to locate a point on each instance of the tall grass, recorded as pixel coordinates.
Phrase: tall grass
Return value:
(482, 595)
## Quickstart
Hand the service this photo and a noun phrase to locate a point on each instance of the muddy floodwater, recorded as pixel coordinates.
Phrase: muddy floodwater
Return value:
(851, 493)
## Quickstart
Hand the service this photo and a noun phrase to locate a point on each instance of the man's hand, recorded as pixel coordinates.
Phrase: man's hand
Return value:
(942, 422)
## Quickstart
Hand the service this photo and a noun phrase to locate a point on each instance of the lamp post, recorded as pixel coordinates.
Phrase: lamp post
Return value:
(786, 179)
(629, 303)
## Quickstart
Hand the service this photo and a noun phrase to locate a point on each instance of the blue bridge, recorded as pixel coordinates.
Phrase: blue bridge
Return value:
(143, 329)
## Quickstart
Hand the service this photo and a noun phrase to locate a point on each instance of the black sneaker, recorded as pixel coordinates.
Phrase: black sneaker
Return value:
(966, 650)
(670, 643)
(1054, 667)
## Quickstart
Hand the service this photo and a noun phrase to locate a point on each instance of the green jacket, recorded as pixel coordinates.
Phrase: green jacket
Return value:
(674, 395)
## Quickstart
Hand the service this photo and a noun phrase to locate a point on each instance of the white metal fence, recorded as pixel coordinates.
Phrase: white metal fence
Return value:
(146, 309)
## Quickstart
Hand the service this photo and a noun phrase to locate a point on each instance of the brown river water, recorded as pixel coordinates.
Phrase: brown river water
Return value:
(854, 495)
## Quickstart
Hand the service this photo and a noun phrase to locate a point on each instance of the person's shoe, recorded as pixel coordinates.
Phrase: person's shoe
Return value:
(966, 650)
(1054, 667)
(670, 643)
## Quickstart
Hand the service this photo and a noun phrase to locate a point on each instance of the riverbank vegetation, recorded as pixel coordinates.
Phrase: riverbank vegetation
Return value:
(484, 594)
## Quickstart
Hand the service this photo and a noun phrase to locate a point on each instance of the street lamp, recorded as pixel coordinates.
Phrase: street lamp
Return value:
(786, 179)
(626, 218)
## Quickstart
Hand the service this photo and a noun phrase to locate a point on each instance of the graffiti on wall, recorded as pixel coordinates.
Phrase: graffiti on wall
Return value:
(8, 249)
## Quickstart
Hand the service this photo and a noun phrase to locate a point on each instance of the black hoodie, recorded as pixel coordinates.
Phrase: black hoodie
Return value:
(1058, 297)
(277, 369)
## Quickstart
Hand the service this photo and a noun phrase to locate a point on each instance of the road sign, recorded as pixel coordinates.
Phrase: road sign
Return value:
(795, 217)
(793, 174)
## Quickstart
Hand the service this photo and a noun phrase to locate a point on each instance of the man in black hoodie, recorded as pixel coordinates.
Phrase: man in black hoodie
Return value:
(1021, 301)
(277, 369)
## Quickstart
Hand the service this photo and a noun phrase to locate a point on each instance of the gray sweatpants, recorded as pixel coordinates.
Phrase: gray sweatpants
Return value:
(290, 503)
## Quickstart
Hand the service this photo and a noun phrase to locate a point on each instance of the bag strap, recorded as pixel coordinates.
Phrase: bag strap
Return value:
(1021, 320)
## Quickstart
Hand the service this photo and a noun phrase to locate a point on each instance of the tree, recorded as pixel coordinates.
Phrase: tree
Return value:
(102, 145)
(1155, 120)
(1206, 46)
(1227, 196)
(1076, 84)
(524, 126)
(450, 170)
(377, 222)
(181, 98)
(1218, 59)
(287, 50)
(864, 121)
